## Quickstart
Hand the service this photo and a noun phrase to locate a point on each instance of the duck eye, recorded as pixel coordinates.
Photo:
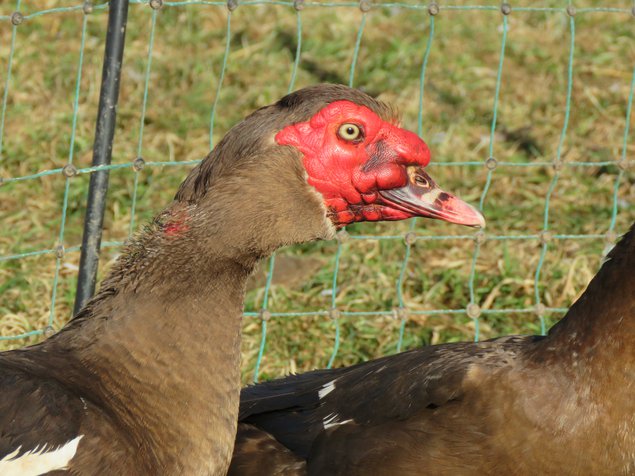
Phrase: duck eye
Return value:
(350, 132)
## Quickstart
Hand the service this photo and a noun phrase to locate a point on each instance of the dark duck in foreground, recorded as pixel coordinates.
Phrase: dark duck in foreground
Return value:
(563, 404)
(145, 379)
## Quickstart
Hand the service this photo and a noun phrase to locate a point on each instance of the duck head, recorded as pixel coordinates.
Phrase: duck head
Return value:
(369, 169)
(318, 159)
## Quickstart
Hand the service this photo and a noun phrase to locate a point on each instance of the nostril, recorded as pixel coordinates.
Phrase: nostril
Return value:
(422, 181)
(419, 178)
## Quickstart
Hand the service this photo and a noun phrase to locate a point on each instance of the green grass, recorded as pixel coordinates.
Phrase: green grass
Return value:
(457, 112)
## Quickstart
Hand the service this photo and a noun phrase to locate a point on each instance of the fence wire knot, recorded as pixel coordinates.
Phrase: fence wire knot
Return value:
(48, 331)
(334, 314)
(138, 164)
(264, 315)
(480, 237)
(400, 314)
(491, 163)
(156, 4)
(69, 170)
(87, 8)
(298, 4)
(232, 5)
(545, 236)
(433, 8)
(473, 310)
(17, 18)
(506, 8)
(410, 238)
(571, 11)
(59, 251)
(540, 309)
(342, 236)
(611, 237)
(365, 5)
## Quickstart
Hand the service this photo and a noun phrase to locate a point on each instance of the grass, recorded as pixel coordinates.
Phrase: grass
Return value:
(457, 112)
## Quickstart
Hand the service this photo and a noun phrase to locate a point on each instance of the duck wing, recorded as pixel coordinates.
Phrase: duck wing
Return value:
(257, 453)
(39, 422)
(310, 411)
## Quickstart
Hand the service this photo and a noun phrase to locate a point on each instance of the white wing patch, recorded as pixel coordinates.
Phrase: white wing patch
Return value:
(39, 460)
(326, 389)
(333, 419)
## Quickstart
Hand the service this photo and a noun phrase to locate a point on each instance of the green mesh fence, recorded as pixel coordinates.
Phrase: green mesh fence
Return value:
(472, 309)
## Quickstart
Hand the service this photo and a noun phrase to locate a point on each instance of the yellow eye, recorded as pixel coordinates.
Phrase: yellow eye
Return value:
(350, 132)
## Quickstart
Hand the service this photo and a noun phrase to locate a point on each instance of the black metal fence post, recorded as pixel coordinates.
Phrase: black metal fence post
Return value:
(102, 151)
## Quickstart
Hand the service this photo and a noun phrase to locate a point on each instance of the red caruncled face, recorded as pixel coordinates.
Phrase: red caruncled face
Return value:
(368, 169)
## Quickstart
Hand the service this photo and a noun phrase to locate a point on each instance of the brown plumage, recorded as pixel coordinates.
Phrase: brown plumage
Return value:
(521, 405)
(273, 458)
(145, 379)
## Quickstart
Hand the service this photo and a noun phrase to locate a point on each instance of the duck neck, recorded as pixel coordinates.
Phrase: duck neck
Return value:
(163, 341)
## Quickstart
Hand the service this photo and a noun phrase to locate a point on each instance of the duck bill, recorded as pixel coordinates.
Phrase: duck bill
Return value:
(422, 197)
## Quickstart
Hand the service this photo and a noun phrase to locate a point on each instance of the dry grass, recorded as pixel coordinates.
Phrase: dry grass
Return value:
(459, 91)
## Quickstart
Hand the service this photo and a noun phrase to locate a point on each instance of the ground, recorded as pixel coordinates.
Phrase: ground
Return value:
(457, 110)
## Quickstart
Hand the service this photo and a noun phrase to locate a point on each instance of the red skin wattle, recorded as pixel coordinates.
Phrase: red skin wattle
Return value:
(176, 222)
(336, 168)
